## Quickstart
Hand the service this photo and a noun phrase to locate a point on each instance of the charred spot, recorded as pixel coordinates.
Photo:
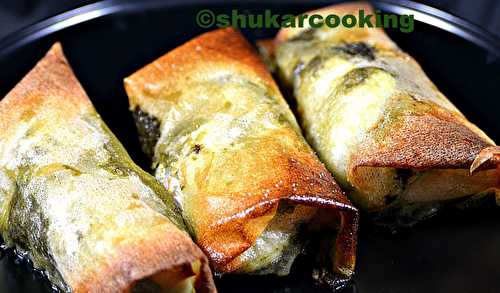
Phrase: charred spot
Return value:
(358, 49)
(149, 130)
(196, 148)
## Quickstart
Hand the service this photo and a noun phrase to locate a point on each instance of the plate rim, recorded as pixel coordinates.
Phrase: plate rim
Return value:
(74, 17)
(422, 12)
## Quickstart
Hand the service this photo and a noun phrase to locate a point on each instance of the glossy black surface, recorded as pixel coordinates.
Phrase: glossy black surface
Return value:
(454, 252)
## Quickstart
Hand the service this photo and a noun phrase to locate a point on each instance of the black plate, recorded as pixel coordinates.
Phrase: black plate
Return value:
(107, 41)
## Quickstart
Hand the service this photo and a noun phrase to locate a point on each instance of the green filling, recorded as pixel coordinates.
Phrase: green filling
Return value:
(149, 130)
(27, 221)
(217, 117)
(277, 247)
(357, 49)
(28, 229)
(287, 237)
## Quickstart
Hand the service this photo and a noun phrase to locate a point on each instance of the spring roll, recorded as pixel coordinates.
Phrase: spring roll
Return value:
(225, 143)
(391, 139)
(74, 203)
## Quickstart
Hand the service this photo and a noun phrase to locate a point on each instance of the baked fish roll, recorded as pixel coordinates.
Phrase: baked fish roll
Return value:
(391, 139)
(74, 203)
(226, 144)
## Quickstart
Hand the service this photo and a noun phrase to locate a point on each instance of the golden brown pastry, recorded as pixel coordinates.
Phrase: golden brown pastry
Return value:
(225, 142)
(393, 141)
(72, 200)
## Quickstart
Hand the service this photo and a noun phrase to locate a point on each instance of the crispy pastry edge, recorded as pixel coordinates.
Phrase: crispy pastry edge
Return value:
(369, 156)
(227, 48)
(52, 79)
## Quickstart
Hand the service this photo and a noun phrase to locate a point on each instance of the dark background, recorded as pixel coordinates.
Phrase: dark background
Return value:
(457, 251)
(15, 14)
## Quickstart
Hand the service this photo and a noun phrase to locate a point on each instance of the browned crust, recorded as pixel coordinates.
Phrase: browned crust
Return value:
(278, 172)
(198, 58)
(50, 81)
(488, 157)
(437, 140)
(297, 178)
(51, 88)
(163, 248)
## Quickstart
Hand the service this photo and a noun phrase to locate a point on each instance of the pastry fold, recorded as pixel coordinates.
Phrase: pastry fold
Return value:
(225, 142)
(73, 202)
(391, 139)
